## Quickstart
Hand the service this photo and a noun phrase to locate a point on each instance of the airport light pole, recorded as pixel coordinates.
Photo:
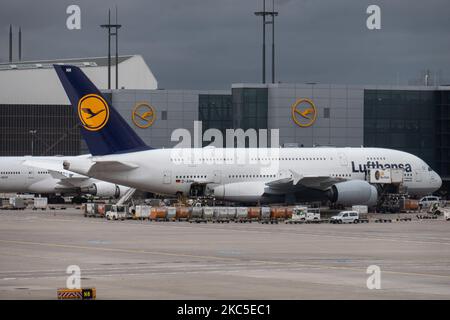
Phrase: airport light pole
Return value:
(274, 14)
(264, 14)
(20, 44)
(10, 43)
(108, 26)
(116, 34)
(116, 27)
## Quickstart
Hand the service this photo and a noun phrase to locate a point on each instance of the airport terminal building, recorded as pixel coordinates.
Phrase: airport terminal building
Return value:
(37, 119)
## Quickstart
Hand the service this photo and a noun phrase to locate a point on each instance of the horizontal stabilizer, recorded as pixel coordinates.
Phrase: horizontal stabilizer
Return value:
(44, 164)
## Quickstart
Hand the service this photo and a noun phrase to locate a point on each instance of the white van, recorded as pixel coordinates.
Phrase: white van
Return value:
(428, 201)
(346, 217)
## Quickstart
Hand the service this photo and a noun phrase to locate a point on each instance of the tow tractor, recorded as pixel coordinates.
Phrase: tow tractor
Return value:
(122, 210)
(304, 215)
(117, 212)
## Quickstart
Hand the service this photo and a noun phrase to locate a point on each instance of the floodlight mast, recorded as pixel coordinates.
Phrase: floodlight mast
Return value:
(264, 14)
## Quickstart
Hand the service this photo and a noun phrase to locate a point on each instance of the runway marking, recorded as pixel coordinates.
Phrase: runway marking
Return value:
(166, 265)
(117, 250)
(217, 258)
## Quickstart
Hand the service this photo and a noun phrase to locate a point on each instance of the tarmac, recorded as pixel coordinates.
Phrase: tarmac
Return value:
(179, 260)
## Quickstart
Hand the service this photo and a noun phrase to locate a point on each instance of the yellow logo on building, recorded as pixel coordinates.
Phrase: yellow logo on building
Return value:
(143, 115)
(93, 112)
(304, 112)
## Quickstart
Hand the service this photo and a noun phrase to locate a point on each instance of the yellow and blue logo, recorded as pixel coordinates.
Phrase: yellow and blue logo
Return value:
(93, 112)
(304, 112)
(143, 115)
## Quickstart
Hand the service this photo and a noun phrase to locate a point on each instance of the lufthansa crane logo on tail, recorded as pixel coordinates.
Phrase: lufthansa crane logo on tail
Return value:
(93, 112)
(304, 112)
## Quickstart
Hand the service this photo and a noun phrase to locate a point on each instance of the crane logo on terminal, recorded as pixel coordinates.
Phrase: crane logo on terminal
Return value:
(93, 112)
(143, 115)
(304, 112)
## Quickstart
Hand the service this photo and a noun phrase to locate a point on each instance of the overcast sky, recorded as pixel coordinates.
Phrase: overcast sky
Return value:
(209, 44)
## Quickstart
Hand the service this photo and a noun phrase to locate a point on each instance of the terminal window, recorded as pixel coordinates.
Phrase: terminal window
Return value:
(215, 111)
(415, 121)
(40, 130)
(250, 108)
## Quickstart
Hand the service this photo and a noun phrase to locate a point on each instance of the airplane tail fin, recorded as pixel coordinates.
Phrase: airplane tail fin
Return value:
(102, 127)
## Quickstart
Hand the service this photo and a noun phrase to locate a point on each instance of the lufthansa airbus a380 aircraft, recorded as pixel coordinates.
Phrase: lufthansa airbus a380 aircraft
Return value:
(45, 175)
(240, 174)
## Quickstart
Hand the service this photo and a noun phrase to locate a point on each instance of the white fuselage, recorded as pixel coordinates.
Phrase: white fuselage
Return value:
(17, 177)
(173, 171)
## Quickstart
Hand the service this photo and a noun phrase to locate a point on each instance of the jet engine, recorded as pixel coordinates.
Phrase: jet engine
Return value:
(240, 191)
(105, 190)
(353, 192)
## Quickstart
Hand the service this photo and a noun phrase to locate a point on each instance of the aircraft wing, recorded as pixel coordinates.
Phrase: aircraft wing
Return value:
(111, 165)
(71, 182)
(309, 181)
(44, 164)
(55, 169)
(320, 183)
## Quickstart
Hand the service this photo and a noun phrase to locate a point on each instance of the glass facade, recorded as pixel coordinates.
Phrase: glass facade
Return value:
(409, 120)
(250, 108)
(245, 108)
(46, 130)
(215, 111)
(442, 134)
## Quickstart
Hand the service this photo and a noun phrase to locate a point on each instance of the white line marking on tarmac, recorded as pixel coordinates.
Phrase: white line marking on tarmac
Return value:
(214, 258)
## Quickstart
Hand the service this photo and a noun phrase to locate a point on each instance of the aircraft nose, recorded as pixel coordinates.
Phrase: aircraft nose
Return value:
(438, 180)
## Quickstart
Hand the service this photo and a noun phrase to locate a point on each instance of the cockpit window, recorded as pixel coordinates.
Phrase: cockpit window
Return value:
(429, 169)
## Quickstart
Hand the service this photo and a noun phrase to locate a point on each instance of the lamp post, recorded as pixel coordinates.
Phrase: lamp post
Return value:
(264, 14)
(115, 33)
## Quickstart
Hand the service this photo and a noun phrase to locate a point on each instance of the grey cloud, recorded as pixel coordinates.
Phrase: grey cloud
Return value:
(212, 43)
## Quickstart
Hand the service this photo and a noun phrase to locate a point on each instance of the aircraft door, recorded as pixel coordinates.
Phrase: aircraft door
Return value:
(217, 176)
(30, 173)
(342, 159)
(167, 175)
(418, 175)
(345, 217)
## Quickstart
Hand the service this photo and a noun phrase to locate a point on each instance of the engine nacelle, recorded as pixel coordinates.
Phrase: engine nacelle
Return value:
(122, 190)
(354, 192)
(104, 190)
(240, 191)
